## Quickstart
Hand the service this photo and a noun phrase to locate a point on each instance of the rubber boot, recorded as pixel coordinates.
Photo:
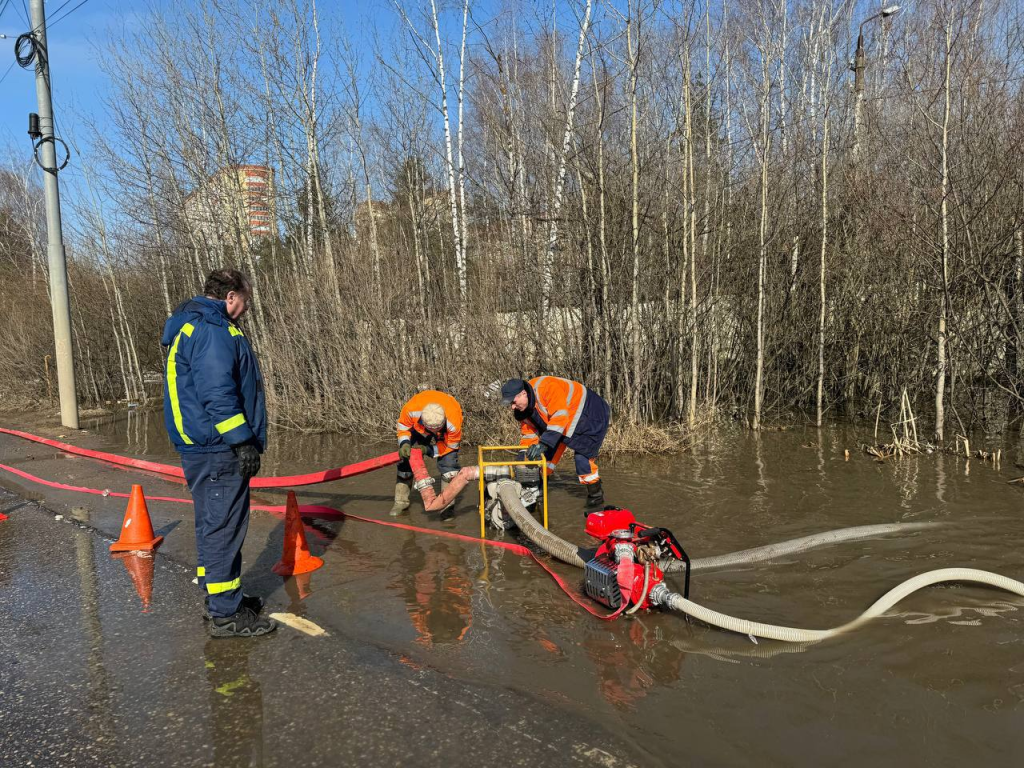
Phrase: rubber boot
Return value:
(402, 488)
(595, 495)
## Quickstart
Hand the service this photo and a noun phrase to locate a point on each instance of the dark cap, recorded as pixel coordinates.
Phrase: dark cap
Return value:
(510, 389)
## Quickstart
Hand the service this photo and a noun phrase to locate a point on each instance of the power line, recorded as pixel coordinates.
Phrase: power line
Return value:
(50, 23)
(7, 72)
(61, 18)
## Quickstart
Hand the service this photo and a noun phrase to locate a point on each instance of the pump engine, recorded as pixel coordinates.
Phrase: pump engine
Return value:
(624, 570)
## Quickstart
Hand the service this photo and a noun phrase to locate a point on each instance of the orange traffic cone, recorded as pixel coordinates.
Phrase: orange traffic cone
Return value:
(295, 558)
(137, 530)
(140, 569)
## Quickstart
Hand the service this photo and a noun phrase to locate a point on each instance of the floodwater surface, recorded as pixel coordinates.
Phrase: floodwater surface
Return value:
(939, 680)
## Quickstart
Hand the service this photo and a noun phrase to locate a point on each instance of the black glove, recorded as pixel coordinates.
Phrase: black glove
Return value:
(248, 459)
(405, 450)
(535, 451)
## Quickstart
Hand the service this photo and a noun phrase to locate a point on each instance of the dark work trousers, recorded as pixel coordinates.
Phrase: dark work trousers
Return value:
(221, 498)
(447, 463)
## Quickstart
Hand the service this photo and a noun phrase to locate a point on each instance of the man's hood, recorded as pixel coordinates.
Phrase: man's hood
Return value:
(213, 311)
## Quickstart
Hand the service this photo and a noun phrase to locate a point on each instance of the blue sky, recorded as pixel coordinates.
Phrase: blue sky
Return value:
(77, 80)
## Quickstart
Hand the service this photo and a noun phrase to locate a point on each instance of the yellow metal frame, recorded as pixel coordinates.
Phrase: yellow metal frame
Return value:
(541, 462)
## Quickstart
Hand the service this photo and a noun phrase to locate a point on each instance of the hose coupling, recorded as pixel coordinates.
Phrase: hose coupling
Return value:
(426, 482)
(624, 553)
(449, 476)
(659, 594)
(496, 473)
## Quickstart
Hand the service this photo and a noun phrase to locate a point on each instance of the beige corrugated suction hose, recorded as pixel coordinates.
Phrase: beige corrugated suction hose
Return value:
(796, 635)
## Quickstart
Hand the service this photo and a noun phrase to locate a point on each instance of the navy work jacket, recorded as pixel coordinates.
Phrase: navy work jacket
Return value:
(213, 389)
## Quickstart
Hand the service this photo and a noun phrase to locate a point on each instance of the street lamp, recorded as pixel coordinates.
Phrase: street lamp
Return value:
(859, 64)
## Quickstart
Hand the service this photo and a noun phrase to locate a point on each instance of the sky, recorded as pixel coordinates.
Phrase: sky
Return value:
(75, 43)
(75, 72)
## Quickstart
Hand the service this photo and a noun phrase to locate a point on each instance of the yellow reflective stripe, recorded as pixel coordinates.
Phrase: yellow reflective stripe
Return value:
(172, 382)
(228, 424)
(200, 571)
(235, 331)
(216, 587)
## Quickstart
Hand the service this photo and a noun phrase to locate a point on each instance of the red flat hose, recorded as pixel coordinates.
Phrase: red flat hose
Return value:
(319, 511)
(289, 481)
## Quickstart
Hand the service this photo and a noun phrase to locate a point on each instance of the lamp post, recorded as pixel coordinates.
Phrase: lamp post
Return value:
(859, 65)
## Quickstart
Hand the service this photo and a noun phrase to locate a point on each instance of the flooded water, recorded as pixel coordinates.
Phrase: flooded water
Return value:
(939, 680)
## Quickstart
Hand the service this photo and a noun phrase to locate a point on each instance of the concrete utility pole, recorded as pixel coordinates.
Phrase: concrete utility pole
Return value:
(59, 301)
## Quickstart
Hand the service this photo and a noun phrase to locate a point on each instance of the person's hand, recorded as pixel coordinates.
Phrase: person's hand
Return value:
(534, 452)
(405, 450)
(248, 459)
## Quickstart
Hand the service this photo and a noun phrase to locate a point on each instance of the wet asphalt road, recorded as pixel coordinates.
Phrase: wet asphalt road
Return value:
(90, 679)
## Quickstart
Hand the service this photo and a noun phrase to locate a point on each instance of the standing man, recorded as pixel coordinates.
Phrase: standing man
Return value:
(555, 414)
(215, 414)
(430, 422)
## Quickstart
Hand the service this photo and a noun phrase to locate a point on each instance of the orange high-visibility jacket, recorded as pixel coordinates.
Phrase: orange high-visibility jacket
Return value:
(560, 404)
(409, 420)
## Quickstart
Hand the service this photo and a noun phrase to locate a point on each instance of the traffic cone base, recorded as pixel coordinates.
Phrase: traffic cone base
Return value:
(295, 558)
(137, 529)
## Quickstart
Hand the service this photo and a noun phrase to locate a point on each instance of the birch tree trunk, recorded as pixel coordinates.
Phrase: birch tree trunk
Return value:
(453, 192)
(762, 256)
(632, 49)
(941, 361)
(691, 213)
(556, 200)
(824, 251)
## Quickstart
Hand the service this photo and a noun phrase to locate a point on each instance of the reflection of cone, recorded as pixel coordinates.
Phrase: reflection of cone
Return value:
(295, 558)
(302, 583)
(140, 568)
(298, 588)
(137, 530)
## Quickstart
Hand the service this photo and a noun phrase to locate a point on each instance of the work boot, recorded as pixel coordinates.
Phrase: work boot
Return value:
(595, 494)
(402, 489)
(244, 623)
(252, 602)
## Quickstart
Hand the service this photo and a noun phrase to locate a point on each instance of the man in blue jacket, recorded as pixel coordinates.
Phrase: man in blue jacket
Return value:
(215, 414)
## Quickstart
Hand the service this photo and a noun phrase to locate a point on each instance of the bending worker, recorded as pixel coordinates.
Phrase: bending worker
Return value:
(215, 414)
(430, 422)
(555, 414)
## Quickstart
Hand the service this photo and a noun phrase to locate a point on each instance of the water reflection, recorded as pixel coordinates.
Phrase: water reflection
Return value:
(438, 594)
(940, 477)
(298, 588)
(101, 724)
(236, 704)
(630, 663)
(140, 567)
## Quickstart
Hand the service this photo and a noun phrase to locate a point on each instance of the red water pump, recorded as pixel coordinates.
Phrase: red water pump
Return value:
(625, 568)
